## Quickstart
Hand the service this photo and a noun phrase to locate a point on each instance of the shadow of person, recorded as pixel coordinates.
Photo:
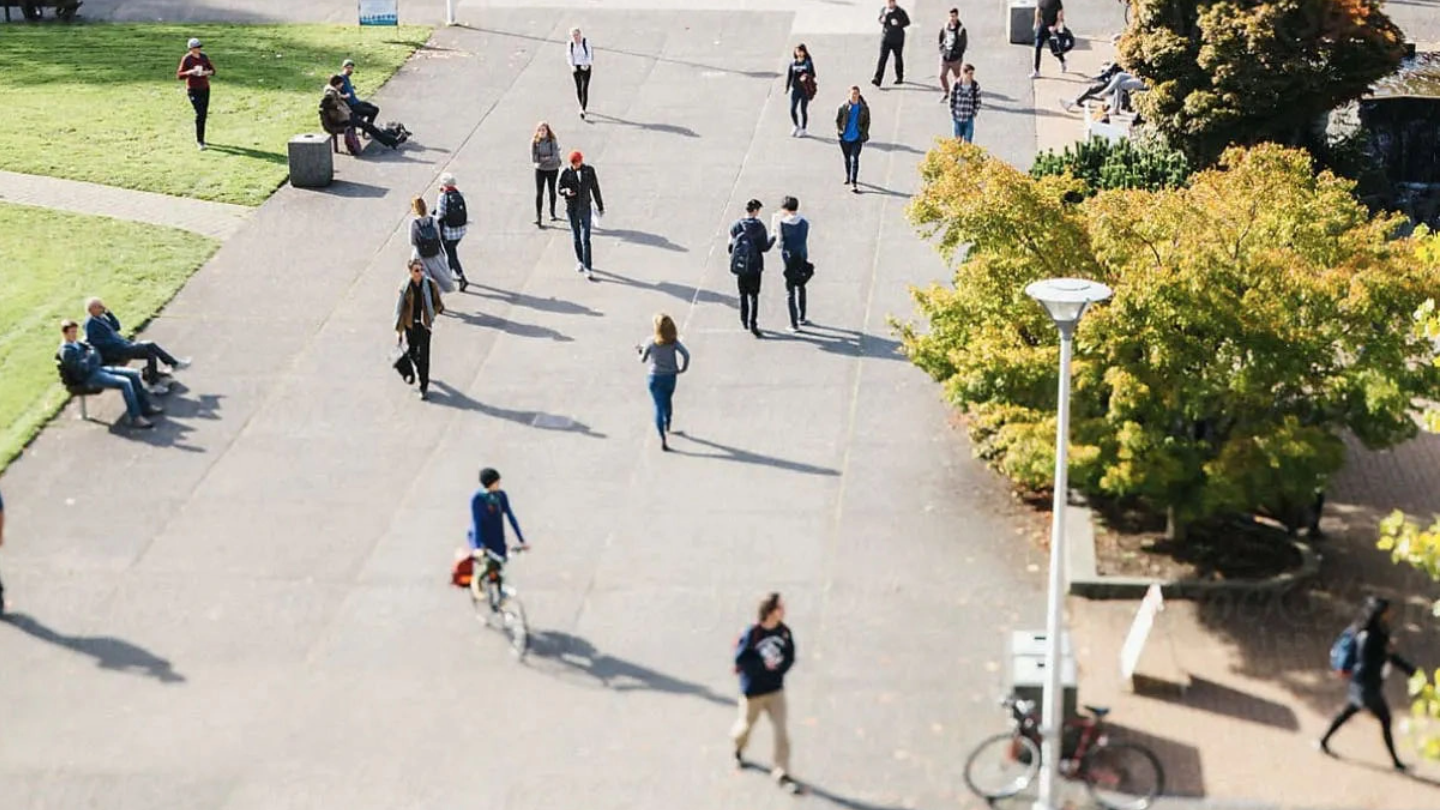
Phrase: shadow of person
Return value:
(442, 393)
(641, 238)
(558, 306)
(579, 655)
(509, 327)
(683, 292)
(673, 129)
(109, 653)
(728, 453)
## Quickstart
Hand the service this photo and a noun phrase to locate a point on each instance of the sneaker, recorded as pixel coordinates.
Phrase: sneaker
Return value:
(1064, 68)
(795, 132)
(739, 760)
(944, 97)
(854, 188)
(1034, 74)
(181, 363)
(554, 218)
(589, 274)
(664, 446)
(582, 113)
(537, 223)
(875, 82)
(802, 132)
(579, 267)
(804, 321)
(1067, 105)
(141, 423)
(464, 283)
(755, 330)
(157, 390)
(786, 783)
(154, 410)
(424, 395)
(200, 145)
(899, 80)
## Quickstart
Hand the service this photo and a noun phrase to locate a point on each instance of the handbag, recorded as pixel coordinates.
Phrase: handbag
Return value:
(807, 271)
(400, 361)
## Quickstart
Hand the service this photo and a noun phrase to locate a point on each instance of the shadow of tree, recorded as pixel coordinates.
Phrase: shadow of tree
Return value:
(109, 653)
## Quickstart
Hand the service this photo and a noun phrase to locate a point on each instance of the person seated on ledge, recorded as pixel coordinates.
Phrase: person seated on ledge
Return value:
(82, 366)
(336, 115)
(364, 109)
(102, 330)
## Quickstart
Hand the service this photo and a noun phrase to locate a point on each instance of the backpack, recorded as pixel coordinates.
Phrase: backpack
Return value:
(462, 573)
(352, 142)
(741, 642)
(428, 240)
(455, 216)
(1345, 652)
(742, 254)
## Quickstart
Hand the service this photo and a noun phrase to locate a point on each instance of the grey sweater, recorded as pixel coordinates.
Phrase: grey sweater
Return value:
(546, 154)
(662, 358)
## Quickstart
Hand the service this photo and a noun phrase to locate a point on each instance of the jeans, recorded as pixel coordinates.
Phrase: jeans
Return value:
(886, 48)
(375, 132)
(798, 101)
(365, 109)
(582, 87)
(151, 353)
(137, 400)
(851, 151)
(749, 288)
(773, 704)
(965, 130)
(200, 100)
(580, 231)
(417, 343)
(795, 300)
(946, 68)
(662, 391)
(452, 254)
(545, 178)
(1042, 37)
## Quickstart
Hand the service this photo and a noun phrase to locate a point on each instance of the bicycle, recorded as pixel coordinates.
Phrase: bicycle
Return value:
(1119, 776)
(491, 596)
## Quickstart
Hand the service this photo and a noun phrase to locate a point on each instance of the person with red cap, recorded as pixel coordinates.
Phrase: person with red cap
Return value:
(579, 186)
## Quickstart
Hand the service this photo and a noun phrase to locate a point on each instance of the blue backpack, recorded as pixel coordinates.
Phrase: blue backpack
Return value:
(1345, 651)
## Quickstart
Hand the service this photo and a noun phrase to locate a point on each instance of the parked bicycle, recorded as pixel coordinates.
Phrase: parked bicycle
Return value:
(494, 599)
(1119, 776)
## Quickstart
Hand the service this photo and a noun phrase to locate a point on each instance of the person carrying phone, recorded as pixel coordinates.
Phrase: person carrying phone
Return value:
(195, 70)
(579, 185)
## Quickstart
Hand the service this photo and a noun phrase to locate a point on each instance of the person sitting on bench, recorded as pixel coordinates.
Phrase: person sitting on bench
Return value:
(364, 109)
(102, 330)
(81, 367)
(336, 115)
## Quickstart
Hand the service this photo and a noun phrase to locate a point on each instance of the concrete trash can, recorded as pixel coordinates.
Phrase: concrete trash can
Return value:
(311, 163)
(1020, 21)
(1027, 678)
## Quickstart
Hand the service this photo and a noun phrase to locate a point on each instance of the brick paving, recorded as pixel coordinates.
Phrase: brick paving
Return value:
(212, 219)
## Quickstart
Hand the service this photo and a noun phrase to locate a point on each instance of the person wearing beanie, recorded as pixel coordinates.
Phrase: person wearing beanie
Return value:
(579, 186)
(195, 70)
(450, 212)
(489, 509)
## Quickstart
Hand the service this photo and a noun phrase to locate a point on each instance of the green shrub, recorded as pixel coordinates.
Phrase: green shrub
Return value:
(1104, 165)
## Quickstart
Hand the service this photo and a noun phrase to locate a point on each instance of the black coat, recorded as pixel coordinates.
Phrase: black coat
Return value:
(584, 186)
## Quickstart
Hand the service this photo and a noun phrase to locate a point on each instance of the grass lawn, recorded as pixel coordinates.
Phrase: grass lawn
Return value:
(50, 262)
(100, 102)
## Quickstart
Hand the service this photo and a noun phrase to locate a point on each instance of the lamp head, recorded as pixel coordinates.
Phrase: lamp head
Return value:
(1066, 299)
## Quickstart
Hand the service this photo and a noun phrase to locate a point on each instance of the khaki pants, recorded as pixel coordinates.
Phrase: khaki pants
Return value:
(947, 68)
(772, 704)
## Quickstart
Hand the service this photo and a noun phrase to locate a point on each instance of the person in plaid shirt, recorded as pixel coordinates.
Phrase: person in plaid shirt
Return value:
(450, 213)
(964, 103)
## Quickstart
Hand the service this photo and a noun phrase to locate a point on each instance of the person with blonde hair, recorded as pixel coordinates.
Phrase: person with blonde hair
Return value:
(428, 246)
(667, 358)
(545, 157)
(581, 59)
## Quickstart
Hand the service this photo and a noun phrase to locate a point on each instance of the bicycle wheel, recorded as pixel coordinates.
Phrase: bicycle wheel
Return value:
(1002, 766)
(1123, 776)
(512, 621)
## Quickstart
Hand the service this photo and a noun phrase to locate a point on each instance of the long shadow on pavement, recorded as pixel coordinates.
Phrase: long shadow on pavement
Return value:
(728, 453)
(673, 129)
(555, 305)
(683, 292)
(850, 342)
(446, 395)
(510, 327)
(168, 432)
(808, 789)
(577, 654)
(109, 653)
(641, 238)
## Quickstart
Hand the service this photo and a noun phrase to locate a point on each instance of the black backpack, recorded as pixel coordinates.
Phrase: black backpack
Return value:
(427, 240)
(455, 216)
(743, 253)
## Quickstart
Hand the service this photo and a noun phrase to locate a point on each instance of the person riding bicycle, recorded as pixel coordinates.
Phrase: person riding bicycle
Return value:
(489, 507)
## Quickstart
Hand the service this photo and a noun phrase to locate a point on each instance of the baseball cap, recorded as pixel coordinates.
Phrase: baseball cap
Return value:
(348, 63)
(194, 43)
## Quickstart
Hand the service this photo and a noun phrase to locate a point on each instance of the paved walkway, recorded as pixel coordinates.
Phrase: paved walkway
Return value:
(212, 219)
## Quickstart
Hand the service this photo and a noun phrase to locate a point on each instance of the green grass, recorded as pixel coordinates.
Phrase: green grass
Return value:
(100, 102)
(50, 262)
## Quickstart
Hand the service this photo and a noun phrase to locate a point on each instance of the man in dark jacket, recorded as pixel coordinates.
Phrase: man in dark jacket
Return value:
(102, 330)
(763, 654)
(852, 130)
(579, 186)
(81, 365)
(954, 39)
(893, 21)
(749, 237)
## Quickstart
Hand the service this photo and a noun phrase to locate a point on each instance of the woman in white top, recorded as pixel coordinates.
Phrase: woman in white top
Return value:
(581, 59)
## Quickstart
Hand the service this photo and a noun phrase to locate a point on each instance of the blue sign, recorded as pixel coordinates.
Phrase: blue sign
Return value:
(379, 12)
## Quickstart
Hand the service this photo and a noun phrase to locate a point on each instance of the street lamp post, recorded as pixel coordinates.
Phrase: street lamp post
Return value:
(449, 12)
(1065, 299)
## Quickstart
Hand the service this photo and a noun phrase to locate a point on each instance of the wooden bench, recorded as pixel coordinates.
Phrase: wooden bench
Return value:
(33, 9)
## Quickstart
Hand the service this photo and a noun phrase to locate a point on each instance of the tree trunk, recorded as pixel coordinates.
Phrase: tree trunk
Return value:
(1174, 529)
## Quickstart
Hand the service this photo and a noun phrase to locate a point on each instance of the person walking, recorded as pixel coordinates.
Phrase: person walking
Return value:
(195, 70)
(764, 653)
(1370, 649)
(545, 156)
(954, 39)
(792, 233)
(964, 103)
(428, 246)
(852, 128)
(749, 242)
(800, 82)
(363, 109)
(1049, 22)
(450, 210)
(418, 303)
(579, 185)
(893, 22)
(667, 358)
(582, 61)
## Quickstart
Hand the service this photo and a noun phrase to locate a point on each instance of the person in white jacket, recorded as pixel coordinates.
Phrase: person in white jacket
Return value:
(581, 59)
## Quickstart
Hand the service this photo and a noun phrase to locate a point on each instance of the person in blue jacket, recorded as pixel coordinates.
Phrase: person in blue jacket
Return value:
(489, 508)
(102, 330)
(364, 109)
(81, 365)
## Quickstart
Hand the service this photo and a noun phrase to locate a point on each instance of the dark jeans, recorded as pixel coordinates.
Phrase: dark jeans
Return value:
(800, 102)
(137, 400)
(417, 342)
(545, 178)
(1360, 698)
(366, 110)
(375, 132)
(200, 100)
(151, 353)
(1042, 38)
(886, 48)
(749, 287)
(580, 231)
(582, 87)
(452, 254)
(851, 151)
(662, 391)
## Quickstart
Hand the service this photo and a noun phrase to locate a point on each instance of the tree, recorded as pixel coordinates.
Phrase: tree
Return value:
(1258, 314)
(1227, 72)
(1106, 164)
